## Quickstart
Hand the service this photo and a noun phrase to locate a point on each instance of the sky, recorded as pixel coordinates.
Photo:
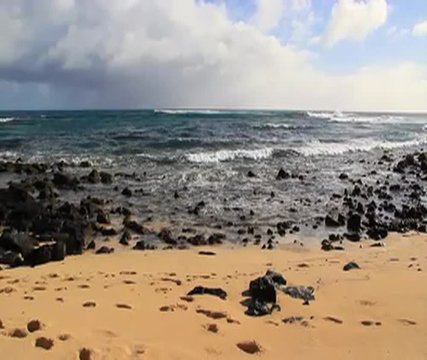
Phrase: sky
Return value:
(367, 55)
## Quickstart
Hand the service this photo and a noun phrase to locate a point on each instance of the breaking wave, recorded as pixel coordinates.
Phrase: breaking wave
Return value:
(316, 147)
(229, 155)
(339, 117)
(204, 112)
(6, 119)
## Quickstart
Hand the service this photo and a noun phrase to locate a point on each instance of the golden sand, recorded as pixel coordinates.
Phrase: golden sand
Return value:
(129, 305)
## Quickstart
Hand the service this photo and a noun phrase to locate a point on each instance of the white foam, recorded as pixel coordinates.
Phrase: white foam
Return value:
(8, 154)
(227, 155)
(204, 112)
(323, 115)
(314, 148)
(380, 119)
(338, 116)
(6, 119)
(273, 126)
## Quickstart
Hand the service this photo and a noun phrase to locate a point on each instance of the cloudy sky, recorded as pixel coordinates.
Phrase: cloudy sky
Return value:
(282, 54)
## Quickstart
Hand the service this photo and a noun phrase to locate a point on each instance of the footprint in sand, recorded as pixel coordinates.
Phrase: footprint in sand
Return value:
(85, 354)
(39, 288)
(1, 325)
(370, 323)
(34, 325)
(7, 290)
(171, 308)
(333, 319)
(64, 337)
(89, 304)
(367, 303)
(28, 297)
(60, 299)
(212, 314)
(176, 281)
(407, 322)
(187, 298)
(213, 328)
(123, 306)
(139, 350)
(44, 343)
(166, 308)
(129, 282)
(127, 273)
(233, 321)
(249, 347)
(84, 286)
(18, 333)
(162, 290)
(296, 320)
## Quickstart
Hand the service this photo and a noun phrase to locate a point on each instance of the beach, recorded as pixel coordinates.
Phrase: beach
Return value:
(128, 290)
(286, 253)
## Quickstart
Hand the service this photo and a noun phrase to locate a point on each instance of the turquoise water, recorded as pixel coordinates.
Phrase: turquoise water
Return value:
(205, 155)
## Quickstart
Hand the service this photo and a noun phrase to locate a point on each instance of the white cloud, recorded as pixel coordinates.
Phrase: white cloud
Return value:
(355, 19)
(420, 29)
(268, 15)
(161, 53)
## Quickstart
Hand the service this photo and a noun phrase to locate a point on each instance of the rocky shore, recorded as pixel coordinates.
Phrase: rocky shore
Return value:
(50, 211)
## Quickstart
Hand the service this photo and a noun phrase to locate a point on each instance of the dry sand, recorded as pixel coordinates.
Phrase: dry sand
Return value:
(124, 292)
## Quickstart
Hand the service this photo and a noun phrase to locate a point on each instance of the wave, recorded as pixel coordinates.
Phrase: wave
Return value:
(323, 115)
(6, 119)
(206, 112)
(228, 155)
(339, 117)
(316, 147)
(273, 126)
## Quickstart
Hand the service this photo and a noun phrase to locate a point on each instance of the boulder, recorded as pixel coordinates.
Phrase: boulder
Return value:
(65, 181)
(104, 250)
(11, 258)
(305, 293)
(18, 208)
(330, 221)
(354, 222)
(282, 175)
(106, 178)
(136, 227)
(216, 239)
(94, 177)
(251, 174)
(18, 242)
(127, 192)
(103, 217)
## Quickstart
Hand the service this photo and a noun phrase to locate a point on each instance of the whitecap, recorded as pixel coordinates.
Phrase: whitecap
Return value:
(228, 155)
(323, 115)
(316, 147)
(6, 119)
(206, 112)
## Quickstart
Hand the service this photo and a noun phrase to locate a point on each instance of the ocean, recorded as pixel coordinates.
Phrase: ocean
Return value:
(205, 155)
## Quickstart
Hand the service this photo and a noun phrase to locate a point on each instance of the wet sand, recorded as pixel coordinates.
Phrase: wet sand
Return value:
(129, 305)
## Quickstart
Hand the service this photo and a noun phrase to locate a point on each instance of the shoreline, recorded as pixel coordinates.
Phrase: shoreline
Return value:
(189, 291)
